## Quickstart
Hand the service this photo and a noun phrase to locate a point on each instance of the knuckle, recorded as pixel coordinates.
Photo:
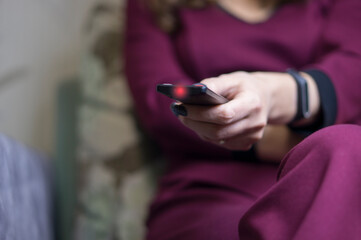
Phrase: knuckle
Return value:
(220, 133)
(261, 125)
(225, 115)
(258, 108)
(223, 120)
(257, 104)
(257, 137)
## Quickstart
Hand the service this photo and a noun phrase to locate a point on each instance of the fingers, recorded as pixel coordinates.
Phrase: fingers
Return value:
(242, 142)
(244, 100)
(235, 125)
(243, 105)
(237, 109)
(218, 114)
(226, 84)
(216, 132)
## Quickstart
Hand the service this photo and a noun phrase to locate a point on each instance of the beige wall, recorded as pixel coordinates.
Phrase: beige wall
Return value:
(40, 45)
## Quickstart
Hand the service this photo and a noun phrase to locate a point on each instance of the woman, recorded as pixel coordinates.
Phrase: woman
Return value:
(215, 187)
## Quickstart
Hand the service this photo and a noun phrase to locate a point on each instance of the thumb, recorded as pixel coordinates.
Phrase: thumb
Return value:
(226, 85)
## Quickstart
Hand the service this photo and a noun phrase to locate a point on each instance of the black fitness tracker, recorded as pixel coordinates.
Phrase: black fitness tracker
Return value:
(303, 110)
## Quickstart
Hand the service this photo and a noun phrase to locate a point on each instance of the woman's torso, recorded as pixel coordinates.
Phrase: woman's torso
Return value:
(213, 41)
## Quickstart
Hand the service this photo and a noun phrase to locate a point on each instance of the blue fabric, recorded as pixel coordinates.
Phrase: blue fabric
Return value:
(24, 194)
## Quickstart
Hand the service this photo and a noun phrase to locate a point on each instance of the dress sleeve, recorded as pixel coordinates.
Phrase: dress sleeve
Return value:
(150, 59)
(337, 70)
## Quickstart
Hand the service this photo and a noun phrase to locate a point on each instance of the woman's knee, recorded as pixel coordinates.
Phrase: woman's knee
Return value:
(338, 144)
(338, 138)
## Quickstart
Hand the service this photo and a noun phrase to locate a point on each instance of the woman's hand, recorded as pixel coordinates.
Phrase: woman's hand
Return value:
(240, 123)
(256, 99)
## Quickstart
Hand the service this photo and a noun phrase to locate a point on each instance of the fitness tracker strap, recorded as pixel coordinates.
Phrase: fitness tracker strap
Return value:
(302, 96)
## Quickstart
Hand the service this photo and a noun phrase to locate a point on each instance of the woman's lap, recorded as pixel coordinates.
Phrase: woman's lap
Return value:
(318, 193)
(193, 209)
(199, 211)
(206, 200)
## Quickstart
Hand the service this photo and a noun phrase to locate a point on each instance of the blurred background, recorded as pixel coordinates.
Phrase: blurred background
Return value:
(41, 44)
(63, 95)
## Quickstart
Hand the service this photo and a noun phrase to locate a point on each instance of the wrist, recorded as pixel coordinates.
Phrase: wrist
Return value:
(283, 96)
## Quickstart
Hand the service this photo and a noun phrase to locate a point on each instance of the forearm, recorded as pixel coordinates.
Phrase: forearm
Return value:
(277, 141)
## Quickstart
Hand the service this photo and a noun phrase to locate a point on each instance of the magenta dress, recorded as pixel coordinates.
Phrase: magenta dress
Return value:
(211, 193)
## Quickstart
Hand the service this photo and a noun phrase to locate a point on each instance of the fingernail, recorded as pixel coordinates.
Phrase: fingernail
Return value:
(228, 113)
(178, 109)
(172, 107)
(201, 84)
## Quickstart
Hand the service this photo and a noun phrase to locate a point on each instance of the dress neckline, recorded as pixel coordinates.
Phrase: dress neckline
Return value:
(232, 15)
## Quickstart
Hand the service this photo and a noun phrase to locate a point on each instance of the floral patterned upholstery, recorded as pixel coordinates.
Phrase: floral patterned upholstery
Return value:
(116, 165)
